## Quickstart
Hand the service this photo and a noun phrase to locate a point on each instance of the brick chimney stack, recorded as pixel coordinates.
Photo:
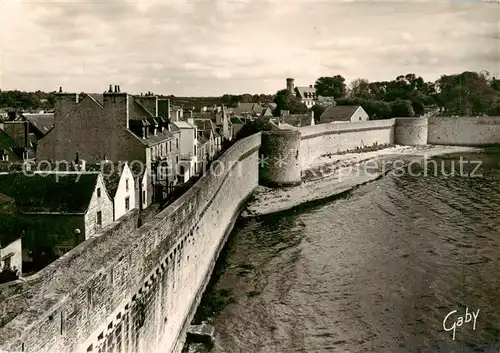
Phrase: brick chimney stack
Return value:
(64, 104)
(116, 107)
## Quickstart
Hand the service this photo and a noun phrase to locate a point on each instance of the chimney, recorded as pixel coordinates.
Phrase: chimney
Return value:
(116, 107)
(290, 85)
(118, 88)
(64, 104)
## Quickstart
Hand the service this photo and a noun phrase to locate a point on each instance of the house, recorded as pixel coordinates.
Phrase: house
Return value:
(267, 112)
(208, 130)
(113, 126)
(248, 109)
(176, 113)
(26, 131)
(9, 150)
(295, 121)
(306, 94)
(40, 123)
(120, 184)
(56, 211)
(10, 236)
(237, 124)
(188, 145)
(343, 114)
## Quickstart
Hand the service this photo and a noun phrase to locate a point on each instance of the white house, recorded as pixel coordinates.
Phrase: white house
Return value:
(120, 185)
(188, 152)
(343, 114)
(11, 254)
(306, 94)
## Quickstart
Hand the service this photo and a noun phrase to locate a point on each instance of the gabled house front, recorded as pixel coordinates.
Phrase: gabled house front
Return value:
(120, 184)
(57, 211)
(343, 114)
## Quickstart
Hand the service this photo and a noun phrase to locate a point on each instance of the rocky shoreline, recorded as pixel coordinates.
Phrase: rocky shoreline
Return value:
(332, 175)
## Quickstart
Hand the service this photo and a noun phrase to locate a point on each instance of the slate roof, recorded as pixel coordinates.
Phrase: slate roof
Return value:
(205, 124)
(42, 122)
(247, 108)
(338, 113)
(52, 192)
(98, 97)
(296, 120)
(8, 146)
(182, 125)
(303, 91)
(235, 120)
(111, 174)
(202, 140)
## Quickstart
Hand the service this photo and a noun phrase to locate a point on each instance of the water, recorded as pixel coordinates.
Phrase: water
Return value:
(376, 271)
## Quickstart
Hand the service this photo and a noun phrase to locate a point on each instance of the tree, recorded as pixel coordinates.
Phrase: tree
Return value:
(286, 101)
(402, 108)
(468, 93)
(254, 126)
(418, 107)
(317, 109)
(331, 86)
(246, 98)
(360, 88)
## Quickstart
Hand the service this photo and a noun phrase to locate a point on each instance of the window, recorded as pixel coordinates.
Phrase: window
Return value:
(176, 143)
(195, 149)
(169, 146)
(127, 203)
(176, 159)
(99, 218)
(126, 184)
(144, 196)
(7, 262)
(98, 192)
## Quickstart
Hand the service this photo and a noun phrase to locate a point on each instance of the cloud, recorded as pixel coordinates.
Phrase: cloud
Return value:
(216, 47)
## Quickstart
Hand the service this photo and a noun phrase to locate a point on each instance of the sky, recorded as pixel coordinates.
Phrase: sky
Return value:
(212, 47)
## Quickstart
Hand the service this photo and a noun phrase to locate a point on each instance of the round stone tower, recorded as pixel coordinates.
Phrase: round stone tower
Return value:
(290, 85)
(279, 158)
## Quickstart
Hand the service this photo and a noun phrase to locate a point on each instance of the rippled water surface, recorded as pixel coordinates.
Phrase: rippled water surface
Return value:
(377, 271)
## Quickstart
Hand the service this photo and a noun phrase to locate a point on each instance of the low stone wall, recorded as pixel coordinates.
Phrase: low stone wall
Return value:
(331, 138)
(134, 291)
(464, 131)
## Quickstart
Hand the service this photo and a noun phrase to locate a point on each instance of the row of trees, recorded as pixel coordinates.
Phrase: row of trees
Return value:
(26, 100)
(468, 93)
